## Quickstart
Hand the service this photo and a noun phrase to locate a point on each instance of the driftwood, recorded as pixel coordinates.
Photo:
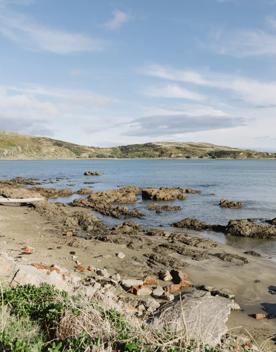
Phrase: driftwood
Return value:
(19, 200)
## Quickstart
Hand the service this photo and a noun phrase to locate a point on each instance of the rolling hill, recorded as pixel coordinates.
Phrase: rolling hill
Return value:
(21, 147)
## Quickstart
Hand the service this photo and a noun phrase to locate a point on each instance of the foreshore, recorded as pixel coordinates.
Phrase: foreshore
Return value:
(248, 280)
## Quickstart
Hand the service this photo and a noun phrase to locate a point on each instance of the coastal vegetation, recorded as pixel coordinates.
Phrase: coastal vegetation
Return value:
(15, 146)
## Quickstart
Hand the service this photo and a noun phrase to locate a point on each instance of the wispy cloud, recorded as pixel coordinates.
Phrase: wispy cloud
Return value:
(249, 90)
(34, 36)
(174, 91)
(37, 108)
(119, 18)
(246, 42)
(172, 124)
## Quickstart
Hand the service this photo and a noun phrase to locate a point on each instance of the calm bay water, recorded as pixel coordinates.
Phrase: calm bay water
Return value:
(251, 181)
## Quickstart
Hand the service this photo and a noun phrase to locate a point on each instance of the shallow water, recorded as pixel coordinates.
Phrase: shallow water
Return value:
(251, 181)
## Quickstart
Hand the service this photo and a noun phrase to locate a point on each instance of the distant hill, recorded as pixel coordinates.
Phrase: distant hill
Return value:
(15, 146)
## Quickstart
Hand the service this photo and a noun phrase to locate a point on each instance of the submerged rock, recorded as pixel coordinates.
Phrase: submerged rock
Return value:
(92, 173)
(163, 208)
(230, 204)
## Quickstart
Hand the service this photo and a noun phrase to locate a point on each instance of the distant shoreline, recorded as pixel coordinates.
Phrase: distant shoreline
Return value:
(118, 159)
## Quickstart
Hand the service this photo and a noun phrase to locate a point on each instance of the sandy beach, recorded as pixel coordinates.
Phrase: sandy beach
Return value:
(146, 253)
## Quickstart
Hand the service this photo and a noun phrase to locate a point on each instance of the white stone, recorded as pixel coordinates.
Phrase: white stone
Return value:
(121, 255)
(128, 283)
(158, 292)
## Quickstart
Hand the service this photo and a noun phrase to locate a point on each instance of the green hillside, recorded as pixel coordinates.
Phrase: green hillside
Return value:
(15, 146)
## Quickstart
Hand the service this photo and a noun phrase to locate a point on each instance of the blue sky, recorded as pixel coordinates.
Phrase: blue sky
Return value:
(106, 72)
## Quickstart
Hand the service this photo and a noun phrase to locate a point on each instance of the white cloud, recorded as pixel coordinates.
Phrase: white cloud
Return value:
(174, 91)
(246, 42)
(118, 20)
(248, 90)
(37, 108)
(30, 35)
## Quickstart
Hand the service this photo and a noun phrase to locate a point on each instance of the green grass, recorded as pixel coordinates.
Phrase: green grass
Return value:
(45, 319)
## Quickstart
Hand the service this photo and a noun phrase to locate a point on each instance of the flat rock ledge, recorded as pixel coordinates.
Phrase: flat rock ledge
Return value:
(21, 274)
(198, 315)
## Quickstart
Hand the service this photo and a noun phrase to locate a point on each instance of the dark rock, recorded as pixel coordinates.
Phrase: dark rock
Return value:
(163, 194)
(53, 192)
(253, 253)
(249, 228)
(231, 258)
(84, 191)
(230, 204)
(163, 208)
(92, 173)
(192, 224)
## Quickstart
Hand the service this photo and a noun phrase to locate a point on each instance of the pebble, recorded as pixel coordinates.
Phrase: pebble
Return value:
(128, 283)
(260, 316)
(142, 291)
(121, 255)
(158, 292)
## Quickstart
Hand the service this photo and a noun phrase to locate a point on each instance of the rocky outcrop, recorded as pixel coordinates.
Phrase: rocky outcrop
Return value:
(92, 173)
(85, 191)
(230, 204)
(192, 224)
(250, 228)
(18, 193)
(105, 202)
(198, 316)
(53, 192)
(21, 274)
(163, 193)
(123, 195)
(76, 222)
(20, 181)
(108, 209)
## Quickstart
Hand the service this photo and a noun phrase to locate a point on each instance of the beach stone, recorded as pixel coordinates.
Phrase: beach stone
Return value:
(175, 288)
(202, 317)
(168, 297)
(141, 290)
(178, 276)
(165, 276)
(128, 283)
(260, 316)
(121, 255)
(158, 292)
(150, 281)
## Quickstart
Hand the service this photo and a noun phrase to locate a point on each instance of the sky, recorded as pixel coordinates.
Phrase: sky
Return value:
(114, 72)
